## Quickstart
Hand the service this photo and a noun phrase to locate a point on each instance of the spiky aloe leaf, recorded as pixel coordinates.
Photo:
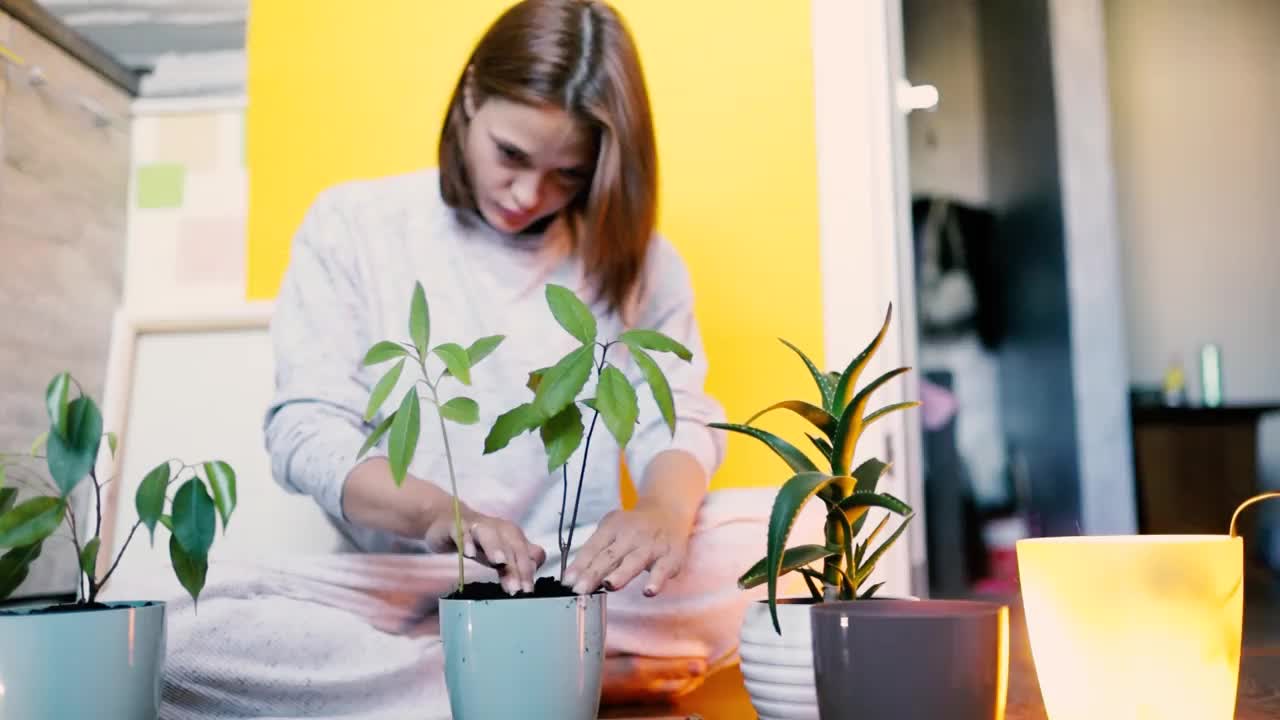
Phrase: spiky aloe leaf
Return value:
(851, 423)
(825, 388)
(796, 460)
(869, 565)
(787, 505)
(793, 559)
(867, 477)
(816, 416)
(849, 378)
(866, 422)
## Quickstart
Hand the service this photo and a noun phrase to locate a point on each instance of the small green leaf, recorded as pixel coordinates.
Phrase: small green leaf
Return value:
(455, 359)
(89, 556)
(223, 481)
(150, 497)
(572, 314)
(190, 569)
(849, 378)
(535, 378)
(867, 477)
(8, 496)
(658, 385)
(167, 522)
(31, 521)
(655, 341)
(793, 559)
(823, 446)
(461, 410)
(561, 436)
(865, 570)
(509, 425)
(404, 436)
(112, 443)
(861, 500)
(194, 518)
(871, 591)
(825, 388)
(591, 403)
(851, 424)
(787, 505)
(420, 320)
(377, 434)
(55, 396)
(382, 389)
(14, 566)
(886, 410)
(39, 443)
(71, 459)
(816, 416)
(617, 402)
(562, 383)
(796, 460)
(482, 348)
(384, 351)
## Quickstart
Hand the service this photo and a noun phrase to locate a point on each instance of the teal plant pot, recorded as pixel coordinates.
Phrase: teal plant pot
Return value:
(529, 658)
(82, 663)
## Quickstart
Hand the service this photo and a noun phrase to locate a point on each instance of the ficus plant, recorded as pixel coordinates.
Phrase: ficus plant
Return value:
(404, 423)
(205, 492)
(558, 391)
(839, 418)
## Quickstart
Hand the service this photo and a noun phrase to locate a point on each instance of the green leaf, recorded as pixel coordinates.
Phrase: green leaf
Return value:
(382, 389)
(167, 522)
(377, 434)
(787, 505)
(420, 320)
(793, 559)
(816, 416)
(462, 410)
(535, 378)
(404, 436)
(112, 443)
(561, 436)
(886, 410)
(483, 348)
(14, 566)
(509, 425)
(617, 402)
(190, 569)
(572, 314)
(867, 477)
(150, 497)
(70, 459)
(562, 383)
(222, 479)
(861, 500)
(851, 425)
(591, 403)
(194, 518)
(823, 446)
(455, 360)
(825, 388)
(55, 397)
(89, 556)
(658, 385)
(868, 567)
(849, 378)
(796, 460)
(31, 521)
(384, 351)
(39, 442)
(871, 591)
(655, 341)
(8, 496)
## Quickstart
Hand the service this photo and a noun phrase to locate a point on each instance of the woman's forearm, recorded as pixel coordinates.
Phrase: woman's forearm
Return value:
(675, 482)
(371, 499)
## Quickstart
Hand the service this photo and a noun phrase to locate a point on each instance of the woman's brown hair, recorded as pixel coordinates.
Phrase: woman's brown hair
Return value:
(580, 56)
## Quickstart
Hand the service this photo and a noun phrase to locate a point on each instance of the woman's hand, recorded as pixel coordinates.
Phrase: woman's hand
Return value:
(628, 542)
(491, 541)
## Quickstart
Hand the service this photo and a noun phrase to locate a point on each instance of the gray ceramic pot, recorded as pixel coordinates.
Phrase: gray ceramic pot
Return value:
(82, 663)
(910, 660)
(537, 658)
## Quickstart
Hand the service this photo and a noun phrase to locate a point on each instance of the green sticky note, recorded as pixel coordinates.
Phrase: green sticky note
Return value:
(160, 185)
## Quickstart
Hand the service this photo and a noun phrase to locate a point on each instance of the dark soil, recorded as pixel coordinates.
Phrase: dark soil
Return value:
(65, 608)
(544, 587)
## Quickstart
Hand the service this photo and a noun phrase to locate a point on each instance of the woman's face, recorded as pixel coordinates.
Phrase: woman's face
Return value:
(525, 162)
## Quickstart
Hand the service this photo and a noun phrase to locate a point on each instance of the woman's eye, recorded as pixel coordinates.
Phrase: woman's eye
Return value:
(572, 177)
(511, 154)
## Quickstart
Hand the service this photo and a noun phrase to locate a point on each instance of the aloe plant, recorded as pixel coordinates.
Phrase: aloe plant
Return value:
(840, 417)
(206, 492)
(404, 423)
(558, 389)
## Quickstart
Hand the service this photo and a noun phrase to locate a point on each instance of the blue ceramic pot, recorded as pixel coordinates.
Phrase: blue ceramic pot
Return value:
(527, 658)
(82, 663)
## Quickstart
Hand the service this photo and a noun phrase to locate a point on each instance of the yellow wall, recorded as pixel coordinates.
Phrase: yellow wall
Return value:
(340, 90)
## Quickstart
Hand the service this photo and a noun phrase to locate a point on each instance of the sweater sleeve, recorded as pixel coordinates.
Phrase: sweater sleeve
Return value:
(314, 426)
(668, 307)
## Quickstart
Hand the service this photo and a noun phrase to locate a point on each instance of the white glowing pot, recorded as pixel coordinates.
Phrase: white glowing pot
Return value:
(1135, 626)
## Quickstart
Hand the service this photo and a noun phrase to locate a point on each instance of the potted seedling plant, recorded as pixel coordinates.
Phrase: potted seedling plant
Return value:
(508, 653)
(776, 640)
(85, 657)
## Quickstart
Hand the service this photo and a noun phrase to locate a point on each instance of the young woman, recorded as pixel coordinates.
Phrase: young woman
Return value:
(547, 173)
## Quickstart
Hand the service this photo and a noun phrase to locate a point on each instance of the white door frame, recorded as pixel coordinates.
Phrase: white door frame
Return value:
(863, 212)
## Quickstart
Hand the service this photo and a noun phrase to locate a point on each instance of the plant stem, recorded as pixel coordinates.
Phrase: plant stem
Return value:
(564, 499)
(71, 520)
(453, 484)
(119, 555)
(573, 524)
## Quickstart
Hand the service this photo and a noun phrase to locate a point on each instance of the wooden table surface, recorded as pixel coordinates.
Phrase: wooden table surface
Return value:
(723, 696)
